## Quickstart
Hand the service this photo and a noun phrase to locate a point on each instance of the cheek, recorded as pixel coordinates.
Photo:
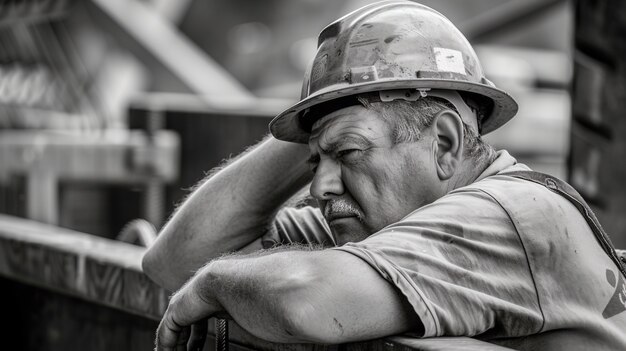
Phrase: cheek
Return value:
(387, 179)
(359, 181)
(419, 183)
(398, 184)
(373, 189)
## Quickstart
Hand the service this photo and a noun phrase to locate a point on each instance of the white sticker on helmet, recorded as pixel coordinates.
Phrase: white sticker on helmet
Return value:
(449, 60)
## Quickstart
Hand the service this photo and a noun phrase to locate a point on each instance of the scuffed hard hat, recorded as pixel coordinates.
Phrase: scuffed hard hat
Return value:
(391, 45)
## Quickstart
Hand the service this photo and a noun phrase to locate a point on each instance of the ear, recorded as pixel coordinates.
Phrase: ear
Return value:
(449, 143)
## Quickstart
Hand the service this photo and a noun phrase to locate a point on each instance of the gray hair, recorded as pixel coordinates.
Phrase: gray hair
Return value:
(408, 118)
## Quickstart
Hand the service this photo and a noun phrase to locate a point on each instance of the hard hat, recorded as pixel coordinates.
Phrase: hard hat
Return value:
(391, 45)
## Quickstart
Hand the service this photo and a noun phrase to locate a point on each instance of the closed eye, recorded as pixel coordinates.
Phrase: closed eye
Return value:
(348, 153)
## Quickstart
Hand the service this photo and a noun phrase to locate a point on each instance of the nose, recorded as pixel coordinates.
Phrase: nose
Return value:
(327, 180)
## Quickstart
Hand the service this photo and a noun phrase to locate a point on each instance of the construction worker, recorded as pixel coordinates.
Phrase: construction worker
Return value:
(422, 228)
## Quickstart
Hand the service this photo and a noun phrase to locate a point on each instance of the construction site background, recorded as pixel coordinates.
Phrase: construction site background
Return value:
(111, 110)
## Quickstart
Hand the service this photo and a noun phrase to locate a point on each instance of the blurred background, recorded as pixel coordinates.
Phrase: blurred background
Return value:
(110, 110)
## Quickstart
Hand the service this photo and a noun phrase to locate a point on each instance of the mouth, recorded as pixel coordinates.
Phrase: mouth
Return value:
(339, 216)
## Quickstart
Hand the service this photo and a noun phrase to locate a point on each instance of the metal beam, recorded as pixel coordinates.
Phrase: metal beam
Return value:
(146, 32)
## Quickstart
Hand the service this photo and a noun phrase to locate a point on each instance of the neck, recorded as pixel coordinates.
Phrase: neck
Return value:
(468, 172)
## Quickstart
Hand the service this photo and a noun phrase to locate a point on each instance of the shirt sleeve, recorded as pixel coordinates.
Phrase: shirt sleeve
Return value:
(304, 225)
(460, 263)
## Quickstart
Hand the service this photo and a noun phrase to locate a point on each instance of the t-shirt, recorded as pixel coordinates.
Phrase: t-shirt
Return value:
(502, 259)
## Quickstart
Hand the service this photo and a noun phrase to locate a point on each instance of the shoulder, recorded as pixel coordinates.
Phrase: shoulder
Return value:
(524, 200)
(549, 226)
(489, 209)
(470, 206)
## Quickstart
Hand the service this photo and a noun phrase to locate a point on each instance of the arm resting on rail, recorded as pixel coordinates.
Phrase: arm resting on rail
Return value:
(324, 297)
(228, 211)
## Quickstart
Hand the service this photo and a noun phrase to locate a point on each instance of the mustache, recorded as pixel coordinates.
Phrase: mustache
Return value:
(341, 208)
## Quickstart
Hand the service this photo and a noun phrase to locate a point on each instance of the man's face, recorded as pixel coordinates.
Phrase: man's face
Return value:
(364, 182)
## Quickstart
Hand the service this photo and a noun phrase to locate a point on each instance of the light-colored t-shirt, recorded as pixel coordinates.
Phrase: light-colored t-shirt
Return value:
(503, 259)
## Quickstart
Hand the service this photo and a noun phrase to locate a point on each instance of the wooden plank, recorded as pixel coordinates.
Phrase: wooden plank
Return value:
(393, 343)
(99, 270)
(443, 343)
(108, 273)
(35, 234)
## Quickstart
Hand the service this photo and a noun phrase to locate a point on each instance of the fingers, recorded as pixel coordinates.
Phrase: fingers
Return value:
(198, 335)
(181, 342)
(171, 336)
(185, 309)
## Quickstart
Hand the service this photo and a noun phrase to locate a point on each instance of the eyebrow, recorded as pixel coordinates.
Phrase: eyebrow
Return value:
(359, 140)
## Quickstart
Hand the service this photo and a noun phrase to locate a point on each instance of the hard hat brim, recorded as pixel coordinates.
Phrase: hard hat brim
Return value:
(287, 126)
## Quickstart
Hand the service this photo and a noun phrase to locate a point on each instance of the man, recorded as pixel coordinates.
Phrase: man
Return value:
(433, 232)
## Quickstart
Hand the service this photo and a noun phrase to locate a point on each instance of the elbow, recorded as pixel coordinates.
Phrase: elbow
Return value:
(305, 324)
(158, 264)
(151, 265)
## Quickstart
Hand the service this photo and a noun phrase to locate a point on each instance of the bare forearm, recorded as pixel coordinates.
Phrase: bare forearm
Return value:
(247, 296)
(325, 296)
(228, 211)
(298, 296)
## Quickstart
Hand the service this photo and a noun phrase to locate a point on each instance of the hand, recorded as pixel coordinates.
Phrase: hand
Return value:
(198, 335)
(185, 317)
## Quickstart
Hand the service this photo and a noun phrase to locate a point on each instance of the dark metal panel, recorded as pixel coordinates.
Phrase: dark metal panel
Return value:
(598, 146)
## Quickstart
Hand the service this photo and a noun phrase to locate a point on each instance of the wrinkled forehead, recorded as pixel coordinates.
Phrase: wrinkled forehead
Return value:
(349, 122)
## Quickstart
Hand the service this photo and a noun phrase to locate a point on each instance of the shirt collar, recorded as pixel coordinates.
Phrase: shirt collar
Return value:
(503, 162)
